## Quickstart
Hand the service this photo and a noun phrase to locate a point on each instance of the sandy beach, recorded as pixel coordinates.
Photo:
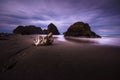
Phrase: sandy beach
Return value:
(64, 60)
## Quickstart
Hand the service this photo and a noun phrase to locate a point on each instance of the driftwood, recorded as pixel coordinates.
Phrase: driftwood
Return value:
(47, 40)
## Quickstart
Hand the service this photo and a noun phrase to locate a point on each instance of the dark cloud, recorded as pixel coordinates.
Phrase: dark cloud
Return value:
(102, 15)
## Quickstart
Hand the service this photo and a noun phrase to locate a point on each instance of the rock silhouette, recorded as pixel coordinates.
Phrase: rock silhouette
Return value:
(31, 29)
(45, 31)
(80, 29)
(52, 28)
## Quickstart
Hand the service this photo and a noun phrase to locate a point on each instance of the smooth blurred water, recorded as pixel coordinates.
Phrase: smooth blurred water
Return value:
(60, 37)
(112, 40)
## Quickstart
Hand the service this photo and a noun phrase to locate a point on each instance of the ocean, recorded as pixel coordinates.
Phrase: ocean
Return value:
(110, 39)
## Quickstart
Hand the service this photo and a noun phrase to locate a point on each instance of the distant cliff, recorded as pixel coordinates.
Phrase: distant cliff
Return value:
(80, 29)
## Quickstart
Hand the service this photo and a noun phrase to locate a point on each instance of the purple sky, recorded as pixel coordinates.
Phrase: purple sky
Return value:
(102, 15)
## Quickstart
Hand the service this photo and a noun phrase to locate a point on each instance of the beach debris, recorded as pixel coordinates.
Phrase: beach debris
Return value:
(36, 41)
(47, 40)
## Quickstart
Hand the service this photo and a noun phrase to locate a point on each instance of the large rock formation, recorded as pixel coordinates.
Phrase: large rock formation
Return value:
(52, 28)
(80, 29)
(31, 29)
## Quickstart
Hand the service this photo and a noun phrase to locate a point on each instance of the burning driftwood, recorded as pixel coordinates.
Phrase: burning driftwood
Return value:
(47, 40)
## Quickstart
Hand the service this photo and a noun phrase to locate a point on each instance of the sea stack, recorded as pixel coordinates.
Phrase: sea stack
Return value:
(52, 28)
(81, 29)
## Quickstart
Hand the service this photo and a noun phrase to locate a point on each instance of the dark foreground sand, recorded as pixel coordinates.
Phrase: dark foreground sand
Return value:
(70, 60)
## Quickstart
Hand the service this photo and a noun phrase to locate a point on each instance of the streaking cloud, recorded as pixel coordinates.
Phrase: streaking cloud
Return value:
(101, 16)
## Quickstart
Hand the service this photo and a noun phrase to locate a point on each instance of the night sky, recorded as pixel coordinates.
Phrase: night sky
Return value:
(102, 15)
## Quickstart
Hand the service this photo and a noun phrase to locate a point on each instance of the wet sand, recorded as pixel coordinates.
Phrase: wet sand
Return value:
(64, 60)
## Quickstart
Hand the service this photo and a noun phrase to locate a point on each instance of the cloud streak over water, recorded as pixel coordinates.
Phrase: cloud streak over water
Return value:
(103, 16)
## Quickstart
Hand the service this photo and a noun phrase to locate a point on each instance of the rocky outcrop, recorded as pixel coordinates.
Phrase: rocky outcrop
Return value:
(80, 29)
(52, 28)
(31, 29)
(45, 31)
